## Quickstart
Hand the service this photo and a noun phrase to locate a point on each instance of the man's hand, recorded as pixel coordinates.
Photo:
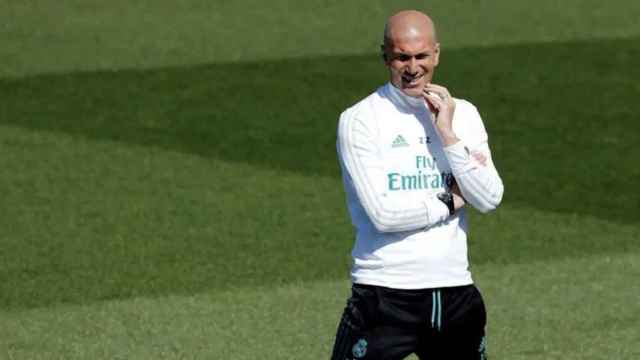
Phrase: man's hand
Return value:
(442, 104)
(458, 200)
(479, 158)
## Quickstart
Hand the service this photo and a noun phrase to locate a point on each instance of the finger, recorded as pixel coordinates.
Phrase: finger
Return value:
(440, 90)
(482, 162)
(434, 100)
(440, 95)
(433, 94)
(436, 92)
(480, 157)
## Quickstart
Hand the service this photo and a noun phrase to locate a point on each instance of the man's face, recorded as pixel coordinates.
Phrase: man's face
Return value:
(411, 63)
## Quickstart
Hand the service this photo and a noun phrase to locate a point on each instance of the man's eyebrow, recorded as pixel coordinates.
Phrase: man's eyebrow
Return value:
(421, 53)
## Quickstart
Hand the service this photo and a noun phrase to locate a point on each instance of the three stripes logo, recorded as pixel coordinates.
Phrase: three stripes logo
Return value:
(399, 142)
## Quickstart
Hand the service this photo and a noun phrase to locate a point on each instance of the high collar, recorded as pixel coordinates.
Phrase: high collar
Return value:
(404, 101)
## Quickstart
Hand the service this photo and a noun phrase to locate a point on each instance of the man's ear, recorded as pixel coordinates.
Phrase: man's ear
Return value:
(437, 54)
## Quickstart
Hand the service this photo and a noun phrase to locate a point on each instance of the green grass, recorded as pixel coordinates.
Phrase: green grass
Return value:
(69, 35)
(186, 202)
(87, 221)
(564, 309)
(545, 107)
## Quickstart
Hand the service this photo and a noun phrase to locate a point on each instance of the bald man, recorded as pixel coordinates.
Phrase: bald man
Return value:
(413, 159)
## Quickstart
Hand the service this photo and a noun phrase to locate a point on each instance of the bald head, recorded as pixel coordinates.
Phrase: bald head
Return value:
(407, 25)
(410, 51)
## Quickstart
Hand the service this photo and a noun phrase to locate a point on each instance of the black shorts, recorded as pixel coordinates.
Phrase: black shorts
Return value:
(435, 324)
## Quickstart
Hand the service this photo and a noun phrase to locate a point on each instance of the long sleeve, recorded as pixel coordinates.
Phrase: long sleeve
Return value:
(480, 184)
(361, 161)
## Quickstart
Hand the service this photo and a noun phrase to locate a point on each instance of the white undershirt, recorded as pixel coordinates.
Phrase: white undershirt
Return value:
(393, 165)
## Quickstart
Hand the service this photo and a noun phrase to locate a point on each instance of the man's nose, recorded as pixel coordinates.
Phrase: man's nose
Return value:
(413, 66)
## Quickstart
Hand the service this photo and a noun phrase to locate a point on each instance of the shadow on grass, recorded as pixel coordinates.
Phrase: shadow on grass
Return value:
(562, 121)
(560, 116)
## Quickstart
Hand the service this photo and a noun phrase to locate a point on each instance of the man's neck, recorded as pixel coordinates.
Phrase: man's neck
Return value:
(400, 97)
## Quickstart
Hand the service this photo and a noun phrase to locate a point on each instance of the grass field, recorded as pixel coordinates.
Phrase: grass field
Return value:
(171, 189)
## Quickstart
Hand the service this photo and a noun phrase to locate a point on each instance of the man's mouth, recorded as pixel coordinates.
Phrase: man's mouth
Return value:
(411, 81)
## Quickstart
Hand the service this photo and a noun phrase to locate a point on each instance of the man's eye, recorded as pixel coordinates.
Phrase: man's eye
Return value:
(403, 57)
(422, 56)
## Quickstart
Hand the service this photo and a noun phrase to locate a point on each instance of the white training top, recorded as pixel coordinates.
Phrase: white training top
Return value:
(393, 165)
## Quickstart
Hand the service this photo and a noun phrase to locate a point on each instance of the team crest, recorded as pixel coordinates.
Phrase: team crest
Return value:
(359, 350)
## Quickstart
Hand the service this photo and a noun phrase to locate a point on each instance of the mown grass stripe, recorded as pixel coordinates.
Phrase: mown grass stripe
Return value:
(287, 118)
(119, 34)
(542, 309)
(142, 221)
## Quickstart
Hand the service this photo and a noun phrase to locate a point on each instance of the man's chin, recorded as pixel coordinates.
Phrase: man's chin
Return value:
(415, 92)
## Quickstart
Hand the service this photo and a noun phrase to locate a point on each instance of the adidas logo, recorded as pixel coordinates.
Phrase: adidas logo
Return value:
(399, 141)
